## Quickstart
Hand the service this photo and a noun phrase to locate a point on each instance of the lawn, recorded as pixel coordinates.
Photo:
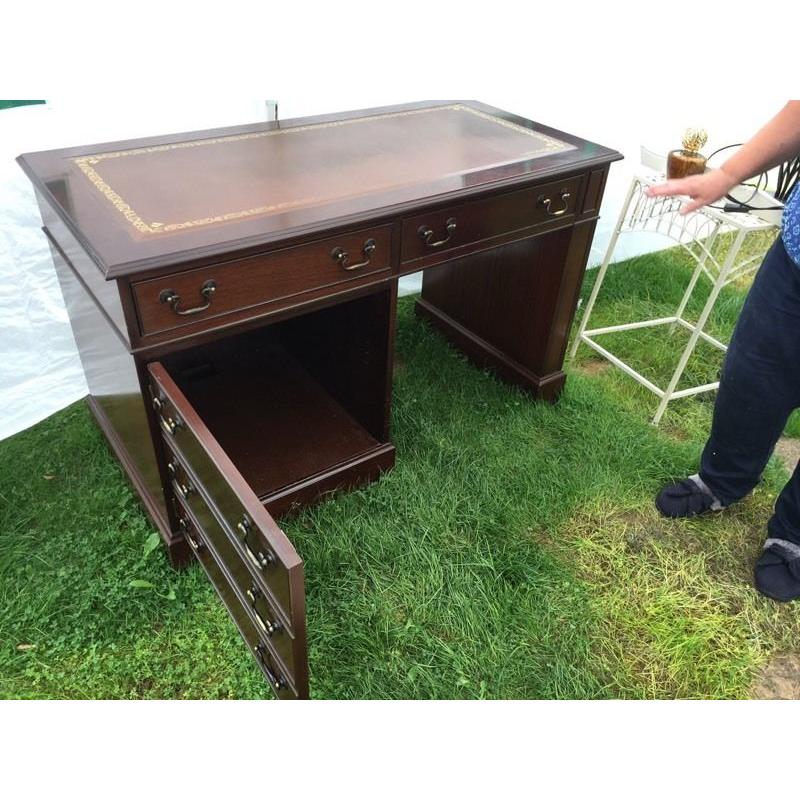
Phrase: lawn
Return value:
(514, 552)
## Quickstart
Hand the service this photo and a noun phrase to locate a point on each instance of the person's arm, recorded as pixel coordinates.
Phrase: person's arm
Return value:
(776, 142)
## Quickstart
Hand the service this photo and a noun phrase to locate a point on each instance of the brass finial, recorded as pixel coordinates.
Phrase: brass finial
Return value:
(694, 139)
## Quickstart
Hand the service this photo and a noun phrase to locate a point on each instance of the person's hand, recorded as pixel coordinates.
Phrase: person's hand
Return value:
(700, 189)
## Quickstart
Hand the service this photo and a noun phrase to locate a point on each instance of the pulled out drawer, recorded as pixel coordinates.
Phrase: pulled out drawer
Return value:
(254, 567)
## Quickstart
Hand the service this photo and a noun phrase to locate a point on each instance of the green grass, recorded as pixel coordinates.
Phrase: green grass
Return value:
(513, 552)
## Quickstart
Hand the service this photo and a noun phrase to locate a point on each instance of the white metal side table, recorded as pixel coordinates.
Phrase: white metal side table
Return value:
(697, 234)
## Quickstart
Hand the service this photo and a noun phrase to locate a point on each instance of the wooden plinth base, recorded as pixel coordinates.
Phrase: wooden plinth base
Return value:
(486, 356)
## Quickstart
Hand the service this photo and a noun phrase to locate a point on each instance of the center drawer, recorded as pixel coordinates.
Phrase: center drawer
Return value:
(251, 286)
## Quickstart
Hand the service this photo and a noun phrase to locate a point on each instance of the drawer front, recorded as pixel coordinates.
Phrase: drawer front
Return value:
(254, 552)
(252, 593)
(189, 436)
(426, 235)
(269, 665)
(261, 283)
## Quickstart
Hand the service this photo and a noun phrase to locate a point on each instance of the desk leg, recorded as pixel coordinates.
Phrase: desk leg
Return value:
(509, 309)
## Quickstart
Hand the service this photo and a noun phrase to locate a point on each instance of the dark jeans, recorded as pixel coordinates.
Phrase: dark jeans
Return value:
(759, 388)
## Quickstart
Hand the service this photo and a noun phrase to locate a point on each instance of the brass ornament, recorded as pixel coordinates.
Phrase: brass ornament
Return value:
(694, 139)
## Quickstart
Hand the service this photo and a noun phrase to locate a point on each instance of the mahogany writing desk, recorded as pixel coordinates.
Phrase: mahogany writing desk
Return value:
(232, 294)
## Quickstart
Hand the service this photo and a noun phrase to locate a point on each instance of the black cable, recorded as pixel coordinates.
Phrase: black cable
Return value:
(788, 176)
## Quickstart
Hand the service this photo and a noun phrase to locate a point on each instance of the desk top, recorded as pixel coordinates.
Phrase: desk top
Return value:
(150, 202)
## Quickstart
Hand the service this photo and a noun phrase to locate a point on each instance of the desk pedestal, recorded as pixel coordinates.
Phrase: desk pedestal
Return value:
(509, 309)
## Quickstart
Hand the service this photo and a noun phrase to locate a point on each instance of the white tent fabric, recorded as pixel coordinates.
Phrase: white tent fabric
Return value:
(40, 371)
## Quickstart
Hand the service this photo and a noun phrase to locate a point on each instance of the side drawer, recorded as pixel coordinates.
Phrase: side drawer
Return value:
(252, 551)
(262, 282)
(447, 229)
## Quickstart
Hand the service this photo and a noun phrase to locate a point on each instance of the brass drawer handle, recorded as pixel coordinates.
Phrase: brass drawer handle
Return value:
(174, 299)
(244, 526)
(195, 544)
(259, 560)
(340, 255)
(269, 628)
(276, 681)
(184, 489)
(169, 424)
(547, 202)
(426, 233)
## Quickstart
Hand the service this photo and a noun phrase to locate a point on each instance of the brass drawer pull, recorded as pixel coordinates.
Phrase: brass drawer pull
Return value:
(259, 560)
(276, 681)
(184, 489)
(174, 299)
(195, 544)
(426, 233)
(547, 202)
(340, 255)
(169, 424)
(269, 628)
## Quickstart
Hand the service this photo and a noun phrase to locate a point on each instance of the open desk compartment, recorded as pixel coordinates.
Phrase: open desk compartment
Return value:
(302, 406)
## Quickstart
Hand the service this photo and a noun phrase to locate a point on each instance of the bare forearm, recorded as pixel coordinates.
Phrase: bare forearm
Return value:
(776, 142)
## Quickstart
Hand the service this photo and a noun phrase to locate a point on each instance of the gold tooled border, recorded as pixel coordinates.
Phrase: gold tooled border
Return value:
(86, 164)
